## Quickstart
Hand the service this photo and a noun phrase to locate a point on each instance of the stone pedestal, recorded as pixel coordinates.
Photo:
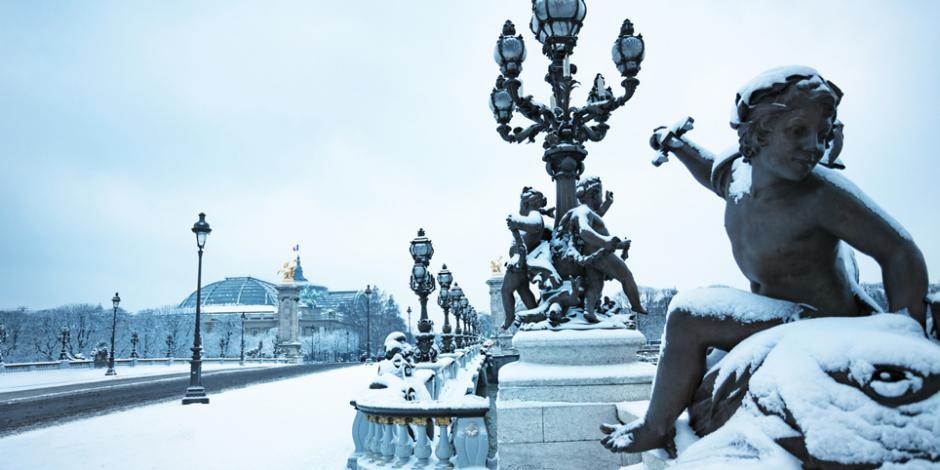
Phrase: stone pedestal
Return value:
(552, 402)
(288, 319)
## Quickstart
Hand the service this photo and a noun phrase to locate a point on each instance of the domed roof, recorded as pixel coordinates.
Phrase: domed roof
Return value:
(235, 291)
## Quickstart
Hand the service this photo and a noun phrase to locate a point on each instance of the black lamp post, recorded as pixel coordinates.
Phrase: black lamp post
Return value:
(368, 294)
(473, 326)
(409, 321)
(196, 393)
(456, 296)
(241, 357)
(135, 339)
(444, 278)
(3, 340)
(556, 24)
(422, 283)
(465, 316)
(114, 301)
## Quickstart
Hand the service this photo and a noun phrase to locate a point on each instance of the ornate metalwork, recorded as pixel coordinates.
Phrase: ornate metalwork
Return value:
(566, 127)
(444, 278)
(422, 283)
(571, 261)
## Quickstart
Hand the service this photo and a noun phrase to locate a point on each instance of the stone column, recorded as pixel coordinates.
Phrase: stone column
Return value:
(288, 319)
(497, 313)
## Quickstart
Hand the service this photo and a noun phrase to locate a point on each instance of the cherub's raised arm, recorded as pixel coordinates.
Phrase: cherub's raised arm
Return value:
(691, 156)
(667, 140)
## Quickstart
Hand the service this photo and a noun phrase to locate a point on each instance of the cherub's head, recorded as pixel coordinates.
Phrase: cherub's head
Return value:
(590, 192)
(785, 119)
(532, 199)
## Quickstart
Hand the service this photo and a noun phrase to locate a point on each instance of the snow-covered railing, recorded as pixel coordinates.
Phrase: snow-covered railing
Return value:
(448, 430)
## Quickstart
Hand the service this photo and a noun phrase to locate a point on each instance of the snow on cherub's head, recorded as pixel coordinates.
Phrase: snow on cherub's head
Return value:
(532, 198)
(589, 191)
(772, 95)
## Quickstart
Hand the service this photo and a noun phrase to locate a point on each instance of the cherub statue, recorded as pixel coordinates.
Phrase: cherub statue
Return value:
(791, 224)
(530, 234)
(586, 222)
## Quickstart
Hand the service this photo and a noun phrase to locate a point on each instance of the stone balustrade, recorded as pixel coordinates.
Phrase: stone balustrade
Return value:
(447, 431)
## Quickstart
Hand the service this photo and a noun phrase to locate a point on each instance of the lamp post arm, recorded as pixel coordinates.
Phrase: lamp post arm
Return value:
(519, 135)
(526, 105)
(601, 110)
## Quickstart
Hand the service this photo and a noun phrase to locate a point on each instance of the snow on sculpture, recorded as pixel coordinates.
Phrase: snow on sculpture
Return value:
(829, 391)
(397, 369)
(807, 386)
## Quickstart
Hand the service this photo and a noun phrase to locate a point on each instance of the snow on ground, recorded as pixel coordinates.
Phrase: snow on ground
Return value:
(301, 423)
(16, 381)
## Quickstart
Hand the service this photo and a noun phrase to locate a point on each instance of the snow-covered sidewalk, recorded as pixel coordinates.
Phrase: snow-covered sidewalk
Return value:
(17, 381)
(303, 423)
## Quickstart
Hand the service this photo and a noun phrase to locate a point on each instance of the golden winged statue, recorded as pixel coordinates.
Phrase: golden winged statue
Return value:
(496, 266)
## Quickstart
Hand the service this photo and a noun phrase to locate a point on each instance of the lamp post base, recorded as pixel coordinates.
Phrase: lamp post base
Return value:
(110, 371)
(195, 394)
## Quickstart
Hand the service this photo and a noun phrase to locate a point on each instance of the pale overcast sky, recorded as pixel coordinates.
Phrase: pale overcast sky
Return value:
(346, 126)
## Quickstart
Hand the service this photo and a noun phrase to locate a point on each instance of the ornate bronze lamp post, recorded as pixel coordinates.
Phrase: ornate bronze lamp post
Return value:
(444, 278)
(368, 296)
(422, 283)
(556, 24)
(472, 326)
(465, 316)
(114, 301)
(456, 295)
(196, 393)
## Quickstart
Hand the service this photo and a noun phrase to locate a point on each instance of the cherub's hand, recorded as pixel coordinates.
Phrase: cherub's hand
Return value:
(512, 224)
(613, 244)
(609, 197)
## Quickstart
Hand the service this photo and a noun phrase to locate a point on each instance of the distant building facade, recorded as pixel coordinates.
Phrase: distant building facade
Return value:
(258, 301)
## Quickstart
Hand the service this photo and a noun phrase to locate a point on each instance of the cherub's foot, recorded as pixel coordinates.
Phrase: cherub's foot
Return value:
(639, 309)
(637, 437)
(556, 317)
(591, 317)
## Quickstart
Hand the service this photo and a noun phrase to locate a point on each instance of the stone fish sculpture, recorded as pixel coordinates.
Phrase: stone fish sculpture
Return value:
(396, 371)
(822, 393)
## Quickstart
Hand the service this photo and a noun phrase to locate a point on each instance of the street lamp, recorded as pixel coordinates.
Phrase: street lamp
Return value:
(196, 393)
(409, 321)
(135, 339)
(115, 301)
(444, 278)
(368, 294)
(422, 283)
(456, 294)
(241, 357)
(556, 24)
(465, 314)
(3, 339)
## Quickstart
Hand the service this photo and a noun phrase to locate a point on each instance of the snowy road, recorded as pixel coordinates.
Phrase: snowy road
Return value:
(301, 423)
(17, 381)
